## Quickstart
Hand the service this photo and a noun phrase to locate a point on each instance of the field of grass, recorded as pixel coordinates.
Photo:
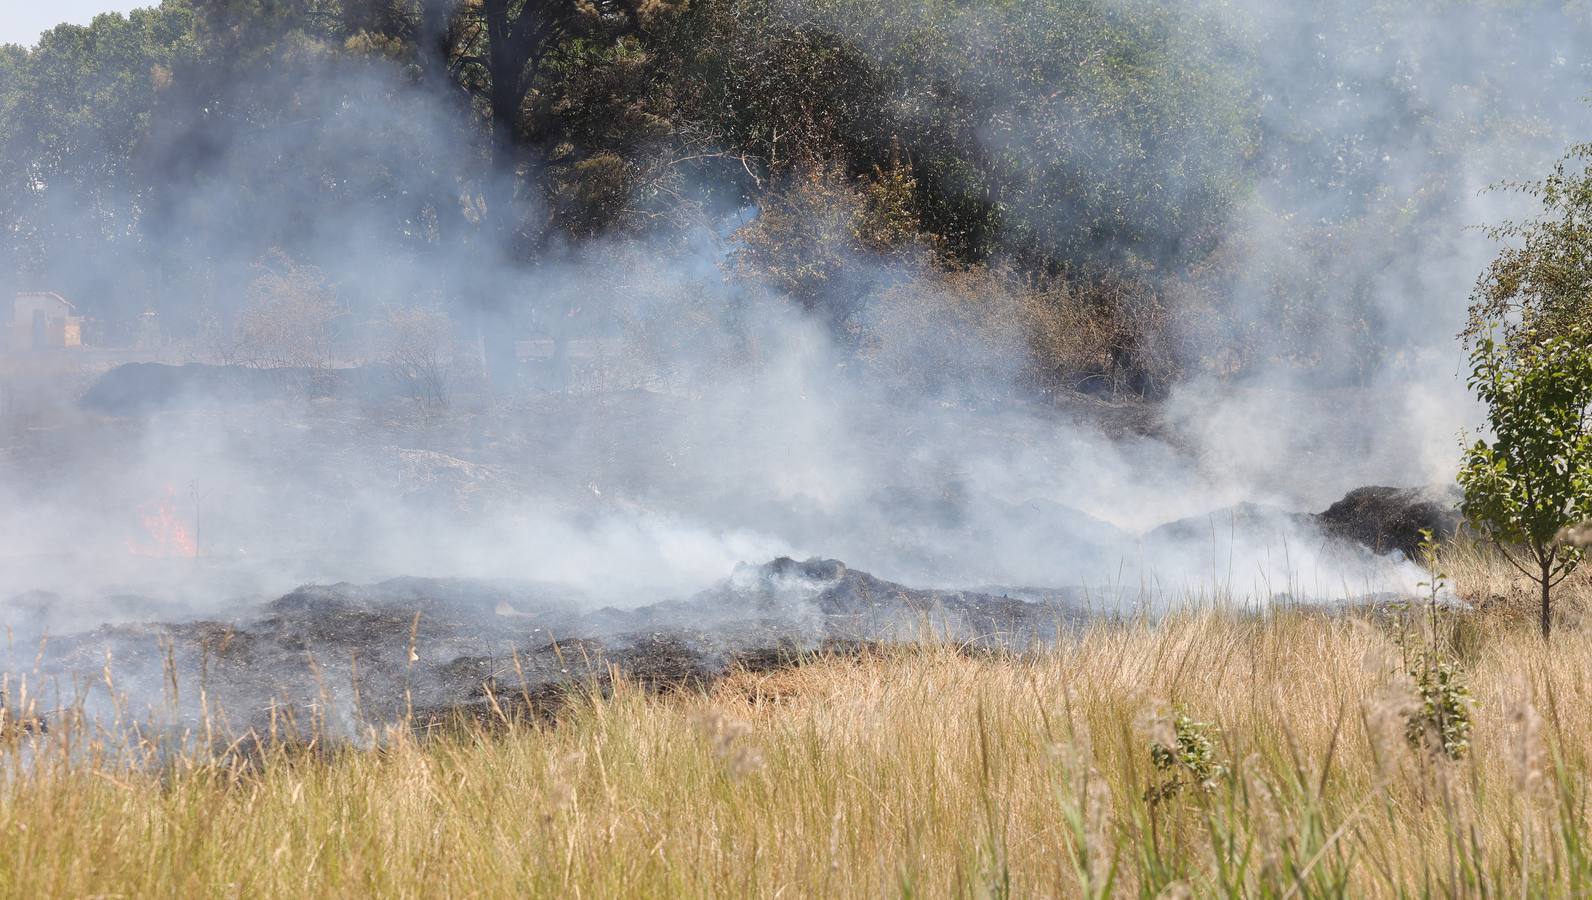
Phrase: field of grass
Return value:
(920, 771)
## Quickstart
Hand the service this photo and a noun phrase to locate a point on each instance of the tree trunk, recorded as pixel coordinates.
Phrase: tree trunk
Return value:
(494, 306)
(435, 49)
(1547, 608)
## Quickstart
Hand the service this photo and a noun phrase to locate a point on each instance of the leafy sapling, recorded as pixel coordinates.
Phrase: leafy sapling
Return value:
(1439, 720)
(1184, 755)
(1533, 477)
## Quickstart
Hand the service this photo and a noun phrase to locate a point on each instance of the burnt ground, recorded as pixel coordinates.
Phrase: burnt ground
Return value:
(346, 655)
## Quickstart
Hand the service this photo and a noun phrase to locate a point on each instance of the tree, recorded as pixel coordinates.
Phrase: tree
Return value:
(505, 49)
(1543, 284)
(503, 53)
(74, 113)
(1534, 477)
(290, 319)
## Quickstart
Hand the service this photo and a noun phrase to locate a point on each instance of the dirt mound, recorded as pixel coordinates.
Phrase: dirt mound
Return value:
(1389, 518)
(351, 654)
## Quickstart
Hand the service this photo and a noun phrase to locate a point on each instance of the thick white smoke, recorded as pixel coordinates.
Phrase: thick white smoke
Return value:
(716, 425)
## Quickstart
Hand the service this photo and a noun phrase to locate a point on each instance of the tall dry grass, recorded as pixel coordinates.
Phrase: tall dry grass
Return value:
(919, 771)
(1480, 574)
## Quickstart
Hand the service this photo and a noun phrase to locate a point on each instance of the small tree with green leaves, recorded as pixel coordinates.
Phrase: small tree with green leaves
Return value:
(1534, 476)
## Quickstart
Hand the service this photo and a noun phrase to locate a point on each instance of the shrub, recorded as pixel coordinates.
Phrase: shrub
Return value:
(1440, 721)
(1184, 756)
(289, 320)
(416, 346)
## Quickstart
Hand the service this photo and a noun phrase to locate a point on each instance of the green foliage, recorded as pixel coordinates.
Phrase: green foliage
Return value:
(1063, 132)
(1185, 758)
(1541, 286)
(1440, 722)
(1534, 475)
(1439, 719)
(74, 112)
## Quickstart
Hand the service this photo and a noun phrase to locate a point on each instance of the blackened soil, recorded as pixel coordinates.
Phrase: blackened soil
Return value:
(345, 656)
(349, 655)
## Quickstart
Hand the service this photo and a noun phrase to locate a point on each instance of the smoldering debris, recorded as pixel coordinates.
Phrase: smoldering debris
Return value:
(625, 495)
(1368, 543)
(372, 654)
(1389, 519)
(638, 511)
(351, 656)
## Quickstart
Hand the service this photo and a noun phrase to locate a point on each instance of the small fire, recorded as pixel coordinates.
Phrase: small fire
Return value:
(168, 536)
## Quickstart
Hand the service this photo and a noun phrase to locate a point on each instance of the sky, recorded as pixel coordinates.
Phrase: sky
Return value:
(22, 21)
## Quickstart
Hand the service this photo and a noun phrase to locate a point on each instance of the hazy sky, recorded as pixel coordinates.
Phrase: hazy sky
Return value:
(21, 21)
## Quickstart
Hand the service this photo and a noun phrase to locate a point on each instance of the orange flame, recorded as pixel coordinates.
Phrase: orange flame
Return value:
(168, 535)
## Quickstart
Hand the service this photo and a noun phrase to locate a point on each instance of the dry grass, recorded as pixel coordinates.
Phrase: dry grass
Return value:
(1502, 593)
(923, 771)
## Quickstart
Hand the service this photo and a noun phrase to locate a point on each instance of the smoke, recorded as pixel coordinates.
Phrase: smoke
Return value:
(710, 422)
(1388, 128)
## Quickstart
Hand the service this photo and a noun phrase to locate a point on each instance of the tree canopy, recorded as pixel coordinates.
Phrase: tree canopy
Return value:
(1540, 285)
(1156, 163)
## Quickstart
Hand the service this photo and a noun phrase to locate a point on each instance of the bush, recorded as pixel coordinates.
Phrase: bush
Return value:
(289, 320)
(416, 346)
(1440, 721)
(1184, 756)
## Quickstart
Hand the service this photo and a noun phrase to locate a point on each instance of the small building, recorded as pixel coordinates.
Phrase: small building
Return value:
(42, 320)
